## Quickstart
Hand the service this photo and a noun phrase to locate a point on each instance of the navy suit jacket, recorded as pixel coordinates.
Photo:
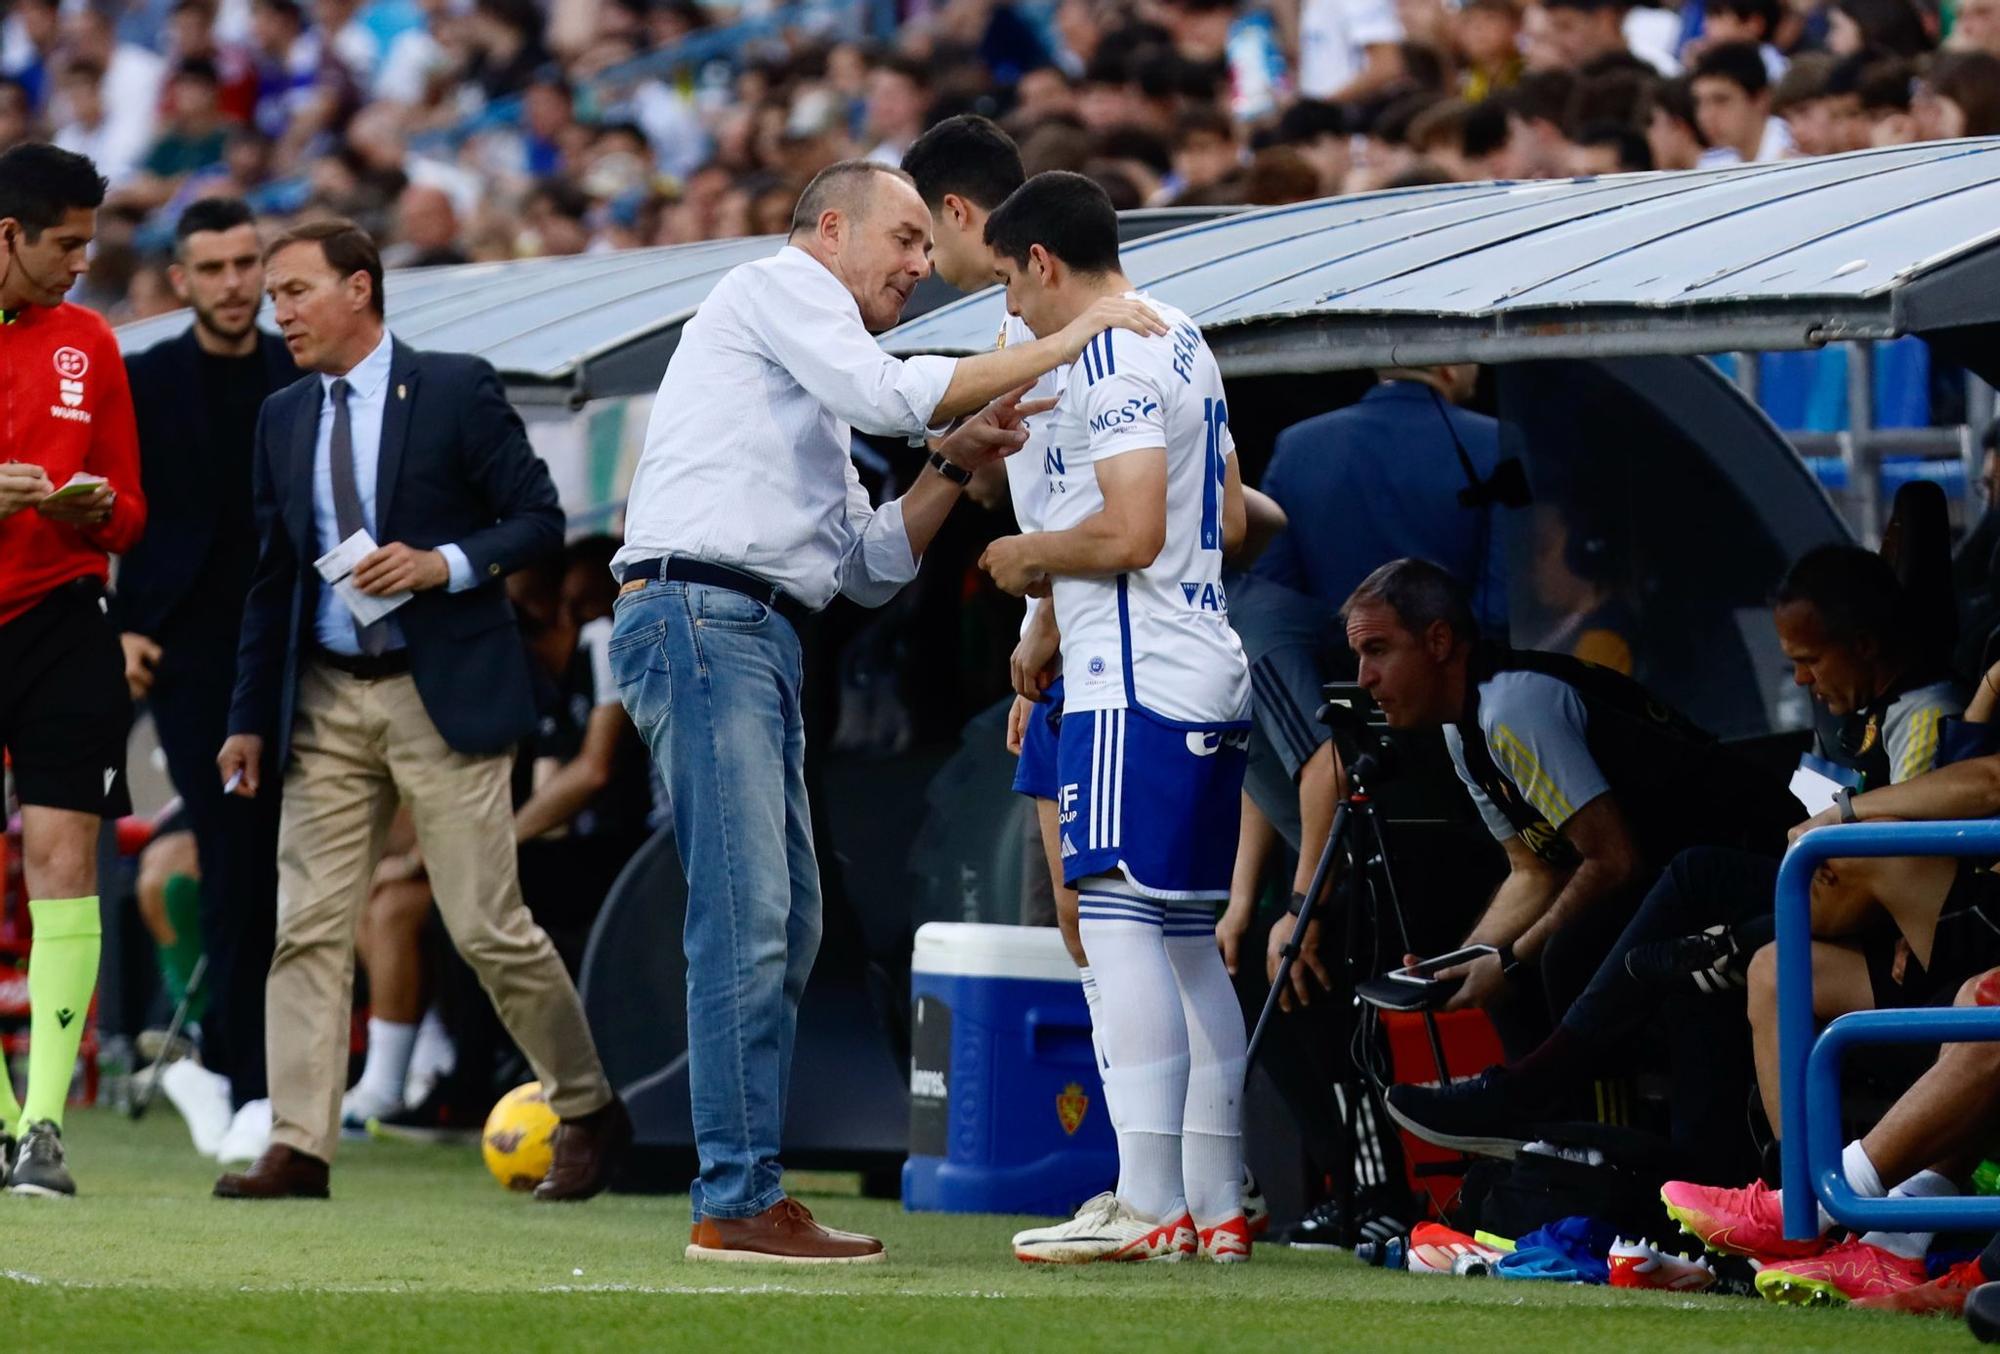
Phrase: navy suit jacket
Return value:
(178, 469)
(455, 467)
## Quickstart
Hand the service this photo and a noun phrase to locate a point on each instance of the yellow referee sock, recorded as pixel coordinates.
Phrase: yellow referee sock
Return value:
(62, 974)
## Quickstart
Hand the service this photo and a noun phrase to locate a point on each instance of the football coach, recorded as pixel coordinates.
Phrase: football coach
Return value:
(745, 515)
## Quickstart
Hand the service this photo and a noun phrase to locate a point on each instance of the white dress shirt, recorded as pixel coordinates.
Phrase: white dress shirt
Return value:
(367, 398)
(746, 461)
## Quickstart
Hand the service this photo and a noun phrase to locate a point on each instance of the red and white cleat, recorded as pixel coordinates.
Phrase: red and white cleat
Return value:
(1640, 1264)
(1105, 1230)
(1435, 1248)
(1226, 1243)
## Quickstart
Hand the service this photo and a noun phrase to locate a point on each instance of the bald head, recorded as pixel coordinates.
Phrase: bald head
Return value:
(425, 217)
(867, 224)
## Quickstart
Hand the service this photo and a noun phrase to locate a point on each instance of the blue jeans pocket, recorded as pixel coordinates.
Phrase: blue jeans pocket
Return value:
(727, 610)
(639, 666)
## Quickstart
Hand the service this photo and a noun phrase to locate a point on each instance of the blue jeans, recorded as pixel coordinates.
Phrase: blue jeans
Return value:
(712, 680)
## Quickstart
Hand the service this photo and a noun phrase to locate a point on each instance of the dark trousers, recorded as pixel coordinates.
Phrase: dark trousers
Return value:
(237, 840)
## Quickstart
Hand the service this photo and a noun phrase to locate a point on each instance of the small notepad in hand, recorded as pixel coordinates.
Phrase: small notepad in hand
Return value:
(336, 566)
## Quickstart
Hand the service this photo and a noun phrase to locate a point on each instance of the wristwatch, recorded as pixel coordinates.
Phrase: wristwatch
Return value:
(1510, 963)
(952, 471)
(1845, 800)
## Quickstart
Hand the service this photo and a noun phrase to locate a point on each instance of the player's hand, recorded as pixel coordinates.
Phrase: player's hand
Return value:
(1010, 560)
(1483, 981)
(1032, 664)
(1308, 969)
(1109, 312)
(1229, 931)
(396, 567)
(141, 657)
(89, 509)
(242, 755)
(22, 485)
(1018, 715)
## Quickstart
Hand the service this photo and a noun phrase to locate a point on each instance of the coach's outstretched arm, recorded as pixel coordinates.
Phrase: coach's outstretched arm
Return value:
(978, 380)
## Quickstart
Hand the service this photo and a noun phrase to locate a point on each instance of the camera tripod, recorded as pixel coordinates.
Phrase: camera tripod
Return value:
(1356, 835)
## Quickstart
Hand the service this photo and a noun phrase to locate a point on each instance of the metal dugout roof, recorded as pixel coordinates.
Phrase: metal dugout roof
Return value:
(588, 326)
(1791, 254)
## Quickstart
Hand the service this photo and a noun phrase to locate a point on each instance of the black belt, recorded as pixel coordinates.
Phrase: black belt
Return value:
(679, 569)
(394, 663)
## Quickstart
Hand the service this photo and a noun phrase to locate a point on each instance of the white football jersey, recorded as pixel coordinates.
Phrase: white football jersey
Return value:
(1156, 638)
(1025, 482)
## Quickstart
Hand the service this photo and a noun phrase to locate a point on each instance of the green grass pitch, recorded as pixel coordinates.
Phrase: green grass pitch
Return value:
(419, 1250)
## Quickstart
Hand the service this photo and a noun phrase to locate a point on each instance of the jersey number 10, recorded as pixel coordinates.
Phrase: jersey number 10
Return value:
(1214, 419)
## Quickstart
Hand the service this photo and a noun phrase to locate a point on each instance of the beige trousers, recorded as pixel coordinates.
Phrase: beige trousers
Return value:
(357, 748)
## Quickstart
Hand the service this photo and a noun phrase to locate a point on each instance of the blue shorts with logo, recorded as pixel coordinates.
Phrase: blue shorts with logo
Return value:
(1155, 799)
(1035, 774)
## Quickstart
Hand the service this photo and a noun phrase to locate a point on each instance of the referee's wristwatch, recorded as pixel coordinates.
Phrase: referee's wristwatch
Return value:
(1510, 963)
(950, 469)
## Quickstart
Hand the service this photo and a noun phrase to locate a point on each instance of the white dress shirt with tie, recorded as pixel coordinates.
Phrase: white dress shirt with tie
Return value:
(746, 460)
(367, 398)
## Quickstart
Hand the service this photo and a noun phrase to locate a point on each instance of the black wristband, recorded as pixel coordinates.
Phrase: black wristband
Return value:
(1297, 904)
(1510, 964)
(957, 474)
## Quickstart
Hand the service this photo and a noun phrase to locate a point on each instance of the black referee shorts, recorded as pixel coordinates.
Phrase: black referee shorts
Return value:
(65, 712)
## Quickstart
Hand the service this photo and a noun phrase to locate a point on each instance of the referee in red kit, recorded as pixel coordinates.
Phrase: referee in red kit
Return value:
(69, 500)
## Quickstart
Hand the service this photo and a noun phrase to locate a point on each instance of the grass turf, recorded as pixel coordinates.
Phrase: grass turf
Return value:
(419, 1249)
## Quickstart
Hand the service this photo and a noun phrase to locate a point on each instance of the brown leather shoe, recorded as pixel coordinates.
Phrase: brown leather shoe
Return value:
(588, 1150)
(783, 1234)
(281, 1173)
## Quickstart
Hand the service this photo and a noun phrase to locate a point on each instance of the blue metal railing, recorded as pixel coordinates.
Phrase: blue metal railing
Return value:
(1809, 1069)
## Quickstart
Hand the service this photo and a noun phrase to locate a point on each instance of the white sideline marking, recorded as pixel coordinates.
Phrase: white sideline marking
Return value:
(650, 1290)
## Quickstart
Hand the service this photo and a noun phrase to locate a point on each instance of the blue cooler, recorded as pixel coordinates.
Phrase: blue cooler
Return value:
(1006, 1110)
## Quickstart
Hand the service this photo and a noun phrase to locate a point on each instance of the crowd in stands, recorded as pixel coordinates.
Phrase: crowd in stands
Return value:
(495, 129)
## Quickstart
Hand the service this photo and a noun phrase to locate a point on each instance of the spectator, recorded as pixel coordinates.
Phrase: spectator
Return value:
(1277, 175)
(191, 33)
(193, 137)
(16, 112)
(506, 41)
(1437, 136)
(1582, 575)
(1977, 28)
(29, 40)
(1581, 31)
(1347, 49)
(899, 97)
(1045, 92)
(1805, 101)
(1958, 94)
(1205, 152)
(132, 75)
(90, 131)
(285, 65)
(1732, 106)
(1891, 26)
(1752, 21)
(1884, 92)
(1672, 134)
(1610, 148)
(426, 230)
(1537, 110)
(1318, 132)
(1488, 37)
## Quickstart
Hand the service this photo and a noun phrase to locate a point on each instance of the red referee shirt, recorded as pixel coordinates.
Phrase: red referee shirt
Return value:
(65, 406)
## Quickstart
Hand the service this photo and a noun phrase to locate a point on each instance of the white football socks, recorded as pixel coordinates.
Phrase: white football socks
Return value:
(1212, 1128)
(388, 1065)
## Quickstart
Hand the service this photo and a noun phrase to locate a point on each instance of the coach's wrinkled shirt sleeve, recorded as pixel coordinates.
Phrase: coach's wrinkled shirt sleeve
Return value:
(813, 330)
(748, 462)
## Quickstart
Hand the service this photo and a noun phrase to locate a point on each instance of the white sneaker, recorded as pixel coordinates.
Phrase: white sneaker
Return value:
(1105, 1229)
(431, 1058)
(202, 1097)
(249, 1134)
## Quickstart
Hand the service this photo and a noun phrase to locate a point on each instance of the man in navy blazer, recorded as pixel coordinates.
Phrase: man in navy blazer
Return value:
(179, 610)
(422, 452)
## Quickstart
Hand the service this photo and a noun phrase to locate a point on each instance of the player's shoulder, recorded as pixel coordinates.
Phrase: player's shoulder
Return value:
(1119, 356)
(1932, 700)
(1524, 700)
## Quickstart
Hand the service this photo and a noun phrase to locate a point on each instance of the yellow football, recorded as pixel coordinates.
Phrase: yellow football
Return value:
(520, 1138)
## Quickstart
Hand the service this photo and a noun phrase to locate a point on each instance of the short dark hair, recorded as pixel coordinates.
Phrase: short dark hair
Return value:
(1149, 148)
(1486, 129)
(1542, 96)
(967, 156)
(198, 68)
(1067, 214)
(1202, 119)
(841, 186)
(40, 184)
(1311, 119)
(1767, 10)
(1740, 63)
(347, 248)
(1854, 593)
(1587, 6)
(1634, 155)
(212, 213)
(1420, 593)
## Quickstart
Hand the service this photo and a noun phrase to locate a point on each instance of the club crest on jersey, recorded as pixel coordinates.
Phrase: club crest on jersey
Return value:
(1205, 596)
(1071, 1106)
(1096, 666)
(71, 363)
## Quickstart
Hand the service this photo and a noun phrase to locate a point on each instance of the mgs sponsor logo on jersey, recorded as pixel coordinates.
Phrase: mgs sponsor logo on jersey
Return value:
(1205, 596)
(1131, 411)
(71, 365)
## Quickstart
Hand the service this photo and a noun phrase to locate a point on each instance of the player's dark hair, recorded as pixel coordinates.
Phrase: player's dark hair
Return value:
(211, 213)
(1854, 593)
(40, 184)
(1309, 120)
(967, 156)
(1066, 214)
(1740, 63)
(1420, 593)
(1634, 155)
(1767, 10)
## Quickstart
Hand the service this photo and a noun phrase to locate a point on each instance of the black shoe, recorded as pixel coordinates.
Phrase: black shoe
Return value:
(1982, 1313)
(7, 1149)
(1379, 1215)
(445, 1116)
(1476, 1114)
(1708, 963)
(40, 1168)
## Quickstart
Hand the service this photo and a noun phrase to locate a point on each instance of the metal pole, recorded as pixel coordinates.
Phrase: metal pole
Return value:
(1864, 459)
